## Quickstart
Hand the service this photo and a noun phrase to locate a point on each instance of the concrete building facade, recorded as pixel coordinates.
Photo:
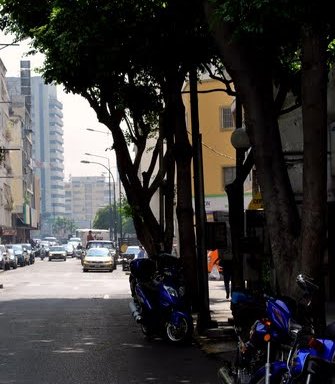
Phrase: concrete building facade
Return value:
(18, 181)
(216, 124)
(84, 196)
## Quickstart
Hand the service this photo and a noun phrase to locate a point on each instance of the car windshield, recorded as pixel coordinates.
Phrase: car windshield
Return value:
(28, 246)
(53, 249)
(17, 247)
(97, 244)
(134, 250)
(97, 252)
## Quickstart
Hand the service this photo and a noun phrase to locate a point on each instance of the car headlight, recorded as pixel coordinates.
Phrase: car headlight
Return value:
(85, 262)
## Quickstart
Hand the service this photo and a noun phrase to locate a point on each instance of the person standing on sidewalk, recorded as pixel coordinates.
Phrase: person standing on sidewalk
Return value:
(226, 263)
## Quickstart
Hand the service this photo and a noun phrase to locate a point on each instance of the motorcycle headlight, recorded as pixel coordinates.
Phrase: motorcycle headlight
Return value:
(172, 291)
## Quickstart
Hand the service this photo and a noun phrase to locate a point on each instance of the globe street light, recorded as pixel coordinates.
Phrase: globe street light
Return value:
(109, 196)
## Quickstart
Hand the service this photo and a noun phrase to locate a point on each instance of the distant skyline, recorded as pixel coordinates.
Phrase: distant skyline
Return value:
(77, 117)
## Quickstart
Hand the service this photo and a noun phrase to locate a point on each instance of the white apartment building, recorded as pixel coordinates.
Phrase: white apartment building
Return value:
(48, 150)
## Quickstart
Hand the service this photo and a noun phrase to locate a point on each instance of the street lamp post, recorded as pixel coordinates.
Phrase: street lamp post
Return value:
(118, 218)
(110, 175)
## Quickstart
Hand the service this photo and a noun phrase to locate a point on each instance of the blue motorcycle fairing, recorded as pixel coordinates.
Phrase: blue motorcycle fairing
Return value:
(176, 316)
(142, 297)
(328, 352)
(277, 369)
(301, 356)
(299, 361)
(279, 314)
(259, 330)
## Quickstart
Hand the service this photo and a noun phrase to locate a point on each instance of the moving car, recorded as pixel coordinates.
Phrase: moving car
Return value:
(104, 244)
(129, 255)
(57, 252)
(70, 249)
(101, 259)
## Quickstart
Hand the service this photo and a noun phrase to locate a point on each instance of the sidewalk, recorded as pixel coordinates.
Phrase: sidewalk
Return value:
(220, 340)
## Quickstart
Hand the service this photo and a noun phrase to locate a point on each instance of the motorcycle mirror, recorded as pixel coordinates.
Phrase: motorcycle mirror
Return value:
(306, 283)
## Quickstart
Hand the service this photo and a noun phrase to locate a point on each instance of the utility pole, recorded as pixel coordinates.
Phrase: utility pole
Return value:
(204, 318)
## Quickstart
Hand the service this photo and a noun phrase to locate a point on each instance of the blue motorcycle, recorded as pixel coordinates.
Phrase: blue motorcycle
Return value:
(159, 304)
(311, 359)
(267, 338)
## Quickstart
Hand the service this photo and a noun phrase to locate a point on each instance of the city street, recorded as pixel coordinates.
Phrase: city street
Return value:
(60, 325)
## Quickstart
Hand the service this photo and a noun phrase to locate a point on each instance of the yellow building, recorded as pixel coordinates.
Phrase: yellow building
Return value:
(216, 124)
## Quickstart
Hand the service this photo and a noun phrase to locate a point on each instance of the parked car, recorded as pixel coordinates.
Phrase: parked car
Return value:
(129, 255)
(104, 244)
(4, 260)
(13, 263)
(57, 252)
(101, 259)
(21, 254)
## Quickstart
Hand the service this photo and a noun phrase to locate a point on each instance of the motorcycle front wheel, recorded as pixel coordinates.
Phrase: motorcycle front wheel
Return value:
(179, 332)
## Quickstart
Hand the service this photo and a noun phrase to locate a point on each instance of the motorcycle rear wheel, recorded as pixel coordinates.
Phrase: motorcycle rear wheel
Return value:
(180, 333)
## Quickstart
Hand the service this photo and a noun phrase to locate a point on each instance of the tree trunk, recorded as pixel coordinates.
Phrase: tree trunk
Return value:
(183, 156)
(314, 111)
(253, 82)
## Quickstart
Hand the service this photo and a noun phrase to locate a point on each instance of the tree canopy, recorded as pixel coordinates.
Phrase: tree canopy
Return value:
(129, 59)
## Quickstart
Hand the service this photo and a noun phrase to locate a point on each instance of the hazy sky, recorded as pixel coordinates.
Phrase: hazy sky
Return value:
(78, 116)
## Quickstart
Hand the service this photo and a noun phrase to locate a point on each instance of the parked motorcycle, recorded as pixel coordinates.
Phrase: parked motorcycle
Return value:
(260, 323)
(289, 351)
(159, 304)
(311, 359)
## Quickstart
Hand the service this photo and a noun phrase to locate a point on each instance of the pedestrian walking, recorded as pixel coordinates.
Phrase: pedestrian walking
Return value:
(227, 267)
(226, 263)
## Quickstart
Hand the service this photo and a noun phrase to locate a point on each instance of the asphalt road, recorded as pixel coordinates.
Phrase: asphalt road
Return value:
(60, 325)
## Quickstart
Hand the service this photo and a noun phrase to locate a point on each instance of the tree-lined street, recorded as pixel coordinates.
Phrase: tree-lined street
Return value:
(59, 325)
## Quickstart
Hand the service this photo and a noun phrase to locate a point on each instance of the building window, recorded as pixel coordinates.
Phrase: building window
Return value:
(228, 175)
(226, 118)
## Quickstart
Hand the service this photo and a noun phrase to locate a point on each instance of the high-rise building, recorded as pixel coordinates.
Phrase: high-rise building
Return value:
(47, 143)
(48, 150)
(22, 202)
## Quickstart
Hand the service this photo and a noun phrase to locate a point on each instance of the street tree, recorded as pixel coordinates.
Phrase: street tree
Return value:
(102, 218)
(129, 59)
(62, 226)
(264, 46)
